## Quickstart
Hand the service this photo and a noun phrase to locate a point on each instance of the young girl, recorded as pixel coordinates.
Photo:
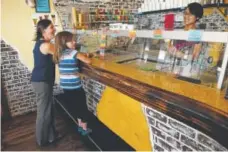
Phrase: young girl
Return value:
(67, 58)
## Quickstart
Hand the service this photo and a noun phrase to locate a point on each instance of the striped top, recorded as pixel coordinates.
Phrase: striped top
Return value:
(68, 68)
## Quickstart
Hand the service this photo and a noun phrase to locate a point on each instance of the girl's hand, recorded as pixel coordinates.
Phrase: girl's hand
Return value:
(90, 55)
(83, 57)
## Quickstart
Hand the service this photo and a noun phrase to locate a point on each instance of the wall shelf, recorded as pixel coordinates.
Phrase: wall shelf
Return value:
(181, 8)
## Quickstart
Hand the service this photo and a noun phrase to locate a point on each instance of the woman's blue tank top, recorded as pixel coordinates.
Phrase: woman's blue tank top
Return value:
(44, 67)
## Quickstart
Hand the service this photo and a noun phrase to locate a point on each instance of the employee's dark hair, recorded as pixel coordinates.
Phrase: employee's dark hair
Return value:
(196, 9)
(41, 26)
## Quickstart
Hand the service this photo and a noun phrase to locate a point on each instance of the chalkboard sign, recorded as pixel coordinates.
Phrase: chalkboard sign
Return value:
(42, 6)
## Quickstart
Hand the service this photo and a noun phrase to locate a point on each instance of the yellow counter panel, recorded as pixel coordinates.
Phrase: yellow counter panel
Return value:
(125, 117)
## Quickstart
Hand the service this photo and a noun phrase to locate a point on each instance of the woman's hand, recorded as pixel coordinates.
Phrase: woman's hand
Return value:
(179, 54)
(172, 50)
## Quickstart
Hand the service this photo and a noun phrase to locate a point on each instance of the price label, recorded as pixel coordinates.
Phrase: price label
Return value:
(195, 35)
(132, 34)
(102, 45)
(157, 34)
(114, 35)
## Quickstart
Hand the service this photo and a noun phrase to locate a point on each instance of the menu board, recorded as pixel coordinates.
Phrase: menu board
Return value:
(42, 6)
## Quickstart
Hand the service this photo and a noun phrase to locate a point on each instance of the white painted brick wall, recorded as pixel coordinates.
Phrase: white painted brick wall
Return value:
(16, 81)
(94, 90)
(169, 134)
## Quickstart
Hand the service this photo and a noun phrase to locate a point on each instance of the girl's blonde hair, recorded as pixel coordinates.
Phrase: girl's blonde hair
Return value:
(60, 44)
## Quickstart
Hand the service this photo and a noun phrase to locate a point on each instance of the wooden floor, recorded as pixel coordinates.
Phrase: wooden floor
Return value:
(19, 135)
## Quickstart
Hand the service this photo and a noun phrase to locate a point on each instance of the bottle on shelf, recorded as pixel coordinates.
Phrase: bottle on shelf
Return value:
(74, 17)
(80, 19)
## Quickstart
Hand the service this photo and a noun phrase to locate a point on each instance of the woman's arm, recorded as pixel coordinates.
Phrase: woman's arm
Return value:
(47, 48)
(83, 57)
(196, 51)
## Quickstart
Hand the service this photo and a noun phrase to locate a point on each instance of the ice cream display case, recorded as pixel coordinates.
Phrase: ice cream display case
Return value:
(164, 87)
(175, 57)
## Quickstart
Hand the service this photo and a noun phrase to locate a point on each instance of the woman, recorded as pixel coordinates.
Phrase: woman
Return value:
(186, 54)
(43, 77)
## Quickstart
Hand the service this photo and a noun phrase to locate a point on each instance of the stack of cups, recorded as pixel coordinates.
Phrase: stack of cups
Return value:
(150, 4)
(175, 4)
(168, 6)
(185, 3)
(180, 3)
(139, 10)
(171, 3)
(163, 5)
(146, 5)
(143, 7)
(155, 5)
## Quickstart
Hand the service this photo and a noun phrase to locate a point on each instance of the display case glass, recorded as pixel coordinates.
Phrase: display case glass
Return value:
(195, 62)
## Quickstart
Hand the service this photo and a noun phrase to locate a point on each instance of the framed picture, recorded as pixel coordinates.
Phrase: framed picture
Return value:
(43, 6)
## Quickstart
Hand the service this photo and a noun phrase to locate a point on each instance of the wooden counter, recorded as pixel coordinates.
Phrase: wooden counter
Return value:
(211, 97)
(200, 107)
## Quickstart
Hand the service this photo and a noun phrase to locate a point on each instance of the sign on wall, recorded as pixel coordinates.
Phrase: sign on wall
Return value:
(42, 6)
(36, 17)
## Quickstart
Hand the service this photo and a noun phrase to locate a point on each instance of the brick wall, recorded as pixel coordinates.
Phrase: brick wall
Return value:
(94, 90)
(213, 22)
(166, 133)
(16, 82)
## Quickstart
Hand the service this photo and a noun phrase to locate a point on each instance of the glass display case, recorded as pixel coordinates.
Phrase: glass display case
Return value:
(195, 62)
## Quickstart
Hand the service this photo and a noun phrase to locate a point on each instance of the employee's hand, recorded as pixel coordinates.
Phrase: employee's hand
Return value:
(179, 54)
(172, 50)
